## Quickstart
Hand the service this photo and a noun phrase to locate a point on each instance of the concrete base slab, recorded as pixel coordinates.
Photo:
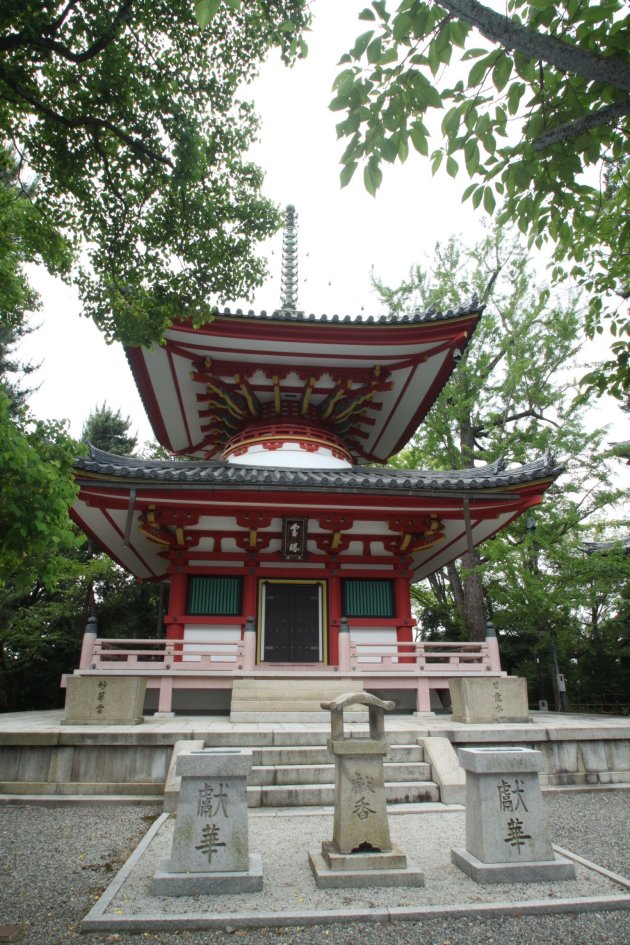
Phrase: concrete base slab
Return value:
(209, 884)
(543, 871)
(137, 720)
(327, 878)
(393, 859)
(317, 716)
(290, 896)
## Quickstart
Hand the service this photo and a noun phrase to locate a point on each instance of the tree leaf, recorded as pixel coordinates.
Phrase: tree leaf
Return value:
(420, 140)
(374, 50)
(437, 160)
(372, 177)
(347, 173)
(489, 201)
(361, 44)
(205, 10)
(501, 72)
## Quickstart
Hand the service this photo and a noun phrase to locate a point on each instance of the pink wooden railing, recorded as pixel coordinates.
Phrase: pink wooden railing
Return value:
(155, 656)
(165, 655)
(420, 657)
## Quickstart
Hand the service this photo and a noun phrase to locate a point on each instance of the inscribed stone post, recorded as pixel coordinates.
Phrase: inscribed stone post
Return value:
(361, 852)
(506, 836)
(210, 852)
(104, 700)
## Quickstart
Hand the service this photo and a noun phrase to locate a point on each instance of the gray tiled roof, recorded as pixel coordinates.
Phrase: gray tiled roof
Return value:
(355, 478)
(416, 317)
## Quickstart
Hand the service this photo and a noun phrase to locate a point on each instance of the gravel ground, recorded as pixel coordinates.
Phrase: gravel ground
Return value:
(56, 861)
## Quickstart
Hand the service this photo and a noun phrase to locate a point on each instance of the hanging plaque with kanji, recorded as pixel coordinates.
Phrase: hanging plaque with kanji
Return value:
(294, 539)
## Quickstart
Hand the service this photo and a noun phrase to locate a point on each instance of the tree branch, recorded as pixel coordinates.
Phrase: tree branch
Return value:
(512, 418)
(85, 121)
(603, 116)
(19, 40)
(53, 28)
(534, 45)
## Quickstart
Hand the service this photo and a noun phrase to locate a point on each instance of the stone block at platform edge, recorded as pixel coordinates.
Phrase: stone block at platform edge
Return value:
(104, 700)
(498, 699)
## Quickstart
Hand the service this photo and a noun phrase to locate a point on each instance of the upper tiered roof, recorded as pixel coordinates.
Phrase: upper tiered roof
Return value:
(368, 381)
(316, 391)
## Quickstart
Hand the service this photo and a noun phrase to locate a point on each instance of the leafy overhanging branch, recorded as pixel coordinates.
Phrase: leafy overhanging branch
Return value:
(129, 116)
(535, 45)
(526, 128)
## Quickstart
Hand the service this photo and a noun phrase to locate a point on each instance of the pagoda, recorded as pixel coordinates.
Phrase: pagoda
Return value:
(288, 545)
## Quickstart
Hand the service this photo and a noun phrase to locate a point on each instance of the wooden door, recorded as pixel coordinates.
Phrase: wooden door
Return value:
(292, 622)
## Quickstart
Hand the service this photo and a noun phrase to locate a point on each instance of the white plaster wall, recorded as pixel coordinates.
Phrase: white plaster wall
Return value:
(200, 637)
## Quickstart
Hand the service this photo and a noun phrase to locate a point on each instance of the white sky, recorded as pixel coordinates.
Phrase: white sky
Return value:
(343, 234)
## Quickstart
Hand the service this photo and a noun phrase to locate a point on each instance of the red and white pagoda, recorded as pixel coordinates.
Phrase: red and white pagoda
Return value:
(288, 549)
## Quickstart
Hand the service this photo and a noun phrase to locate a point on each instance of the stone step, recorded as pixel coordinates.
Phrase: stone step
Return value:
(296, 769)
(259, 705)
(319, 755)
(271, 698)
(328, 687)
(288, 775)
(293, 737)
(323, 795)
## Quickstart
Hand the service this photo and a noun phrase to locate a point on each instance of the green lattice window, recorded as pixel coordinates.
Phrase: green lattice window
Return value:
(215, 596)
(368, 598)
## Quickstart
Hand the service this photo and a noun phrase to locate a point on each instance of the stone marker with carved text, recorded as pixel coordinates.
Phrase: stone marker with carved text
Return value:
(210, 853)
(104, 700)
(506, 836)
(361, 852)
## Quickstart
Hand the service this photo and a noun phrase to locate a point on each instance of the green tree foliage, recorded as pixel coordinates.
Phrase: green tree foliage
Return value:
(534, 106)
(512, 395)
(25, 237)
(35, 456)
(129, 115)
(108, 430)
(41, 628)
(551, 599)
(36, 490)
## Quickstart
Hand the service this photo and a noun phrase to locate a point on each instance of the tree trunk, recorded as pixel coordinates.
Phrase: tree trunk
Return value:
(457, 589)
(474, 599)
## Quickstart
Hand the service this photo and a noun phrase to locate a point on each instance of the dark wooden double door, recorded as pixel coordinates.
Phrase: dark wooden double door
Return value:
(292, 622)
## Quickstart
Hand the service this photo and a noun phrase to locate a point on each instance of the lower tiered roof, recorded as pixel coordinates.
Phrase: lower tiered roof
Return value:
(146, 512)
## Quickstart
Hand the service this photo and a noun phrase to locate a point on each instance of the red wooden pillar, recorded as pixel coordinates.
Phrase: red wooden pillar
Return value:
(334, 618)
(402, 597)
(249, 595)
(177, 606)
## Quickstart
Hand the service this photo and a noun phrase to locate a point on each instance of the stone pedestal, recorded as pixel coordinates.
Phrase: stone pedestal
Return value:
(210, 853)
(497, 699)
(104, 700)
(361, 852)
(506, 835)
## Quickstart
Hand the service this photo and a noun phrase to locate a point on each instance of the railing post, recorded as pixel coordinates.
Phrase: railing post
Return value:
(423, 697)
(87, 645)
(169, 654)
(421, 654)
(165, 701)
(494, 656)
(345, 656)
(249, 645)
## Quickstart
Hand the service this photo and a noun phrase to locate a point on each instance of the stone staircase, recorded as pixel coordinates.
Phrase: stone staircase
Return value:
(297, 700)
(295, 769)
